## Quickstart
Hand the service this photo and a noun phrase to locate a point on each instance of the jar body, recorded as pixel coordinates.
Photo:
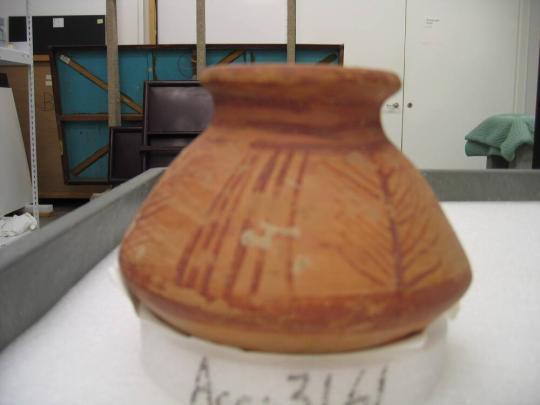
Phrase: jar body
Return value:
(284, 238)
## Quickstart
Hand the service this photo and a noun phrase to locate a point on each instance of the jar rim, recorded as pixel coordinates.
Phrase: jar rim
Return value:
(295, 74)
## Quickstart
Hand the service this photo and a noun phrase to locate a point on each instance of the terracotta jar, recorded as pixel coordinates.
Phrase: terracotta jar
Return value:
(292, 224)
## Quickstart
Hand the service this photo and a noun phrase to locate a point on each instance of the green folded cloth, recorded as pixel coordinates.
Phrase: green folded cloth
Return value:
(500, 135)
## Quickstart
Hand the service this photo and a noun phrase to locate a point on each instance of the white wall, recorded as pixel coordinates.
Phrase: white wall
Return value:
(349, 22)
(371, 30)
(227, 21)
(176, 22)
(129, 12)
(130, 18)
(52, 7)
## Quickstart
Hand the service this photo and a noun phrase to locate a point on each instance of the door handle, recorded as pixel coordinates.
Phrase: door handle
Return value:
(395, 106)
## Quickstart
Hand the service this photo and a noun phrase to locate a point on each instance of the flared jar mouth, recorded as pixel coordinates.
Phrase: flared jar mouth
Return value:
(335, 81)
(309, 99)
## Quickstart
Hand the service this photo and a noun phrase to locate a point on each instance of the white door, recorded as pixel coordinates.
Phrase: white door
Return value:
(373, 33)
(460, 69)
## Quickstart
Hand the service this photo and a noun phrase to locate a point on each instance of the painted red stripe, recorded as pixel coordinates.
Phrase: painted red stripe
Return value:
(354, 182)
(209, 235)
(257, 273)
(266, 173)
(396, 252)
(218, 244)
(321, 147)
(366, 273)
(192, 276)
(225, 189)
(182, 266)
(238, 260)
(430, 270)
(283, 171)
(294, 208)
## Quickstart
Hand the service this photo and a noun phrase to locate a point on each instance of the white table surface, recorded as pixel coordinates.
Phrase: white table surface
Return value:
(86, 349)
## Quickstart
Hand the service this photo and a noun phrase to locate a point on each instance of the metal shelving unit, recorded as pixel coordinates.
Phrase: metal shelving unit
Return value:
(10, 56)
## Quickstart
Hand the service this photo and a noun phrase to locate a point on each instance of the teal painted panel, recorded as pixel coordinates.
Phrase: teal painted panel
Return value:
(273, 56)
(213, 56)
(172, 64)
(134, 70)
(270, 56)
(79, 95)
(316, 55)
(81, 140)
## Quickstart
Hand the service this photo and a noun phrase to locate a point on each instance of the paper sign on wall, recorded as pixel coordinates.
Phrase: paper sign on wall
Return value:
(58, 22)
(431, 35)
(431, 21)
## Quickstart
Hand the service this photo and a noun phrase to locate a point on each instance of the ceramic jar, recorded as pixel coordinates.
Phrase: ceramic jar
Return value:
(292, 224)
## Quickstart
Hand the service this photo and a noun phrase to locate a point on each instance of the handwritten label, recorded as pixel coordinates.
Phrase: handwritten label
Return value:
(357, 387)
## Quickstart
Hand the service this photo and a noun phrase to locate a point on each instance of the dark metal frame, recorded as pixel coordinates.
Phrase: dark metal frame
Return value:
(147, 134)
(145, 147)
(112, 135)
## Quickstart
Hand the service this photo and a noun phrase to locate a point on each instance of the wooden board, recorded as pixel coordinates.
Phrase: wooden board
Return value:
(152, 22)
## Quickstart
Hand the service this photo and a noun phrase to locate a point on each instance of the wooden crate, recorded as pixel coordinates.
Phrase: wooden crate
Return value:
(80, 88)
(50, 175)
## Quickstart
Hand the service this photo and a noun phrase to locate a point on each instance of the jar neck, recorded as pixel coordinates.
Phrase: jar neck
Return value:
(308, 100)
(285, 114)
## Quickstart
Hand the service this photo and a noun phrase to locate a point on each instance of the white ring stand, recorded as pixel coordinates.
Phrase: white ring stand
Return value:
(198, 372)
